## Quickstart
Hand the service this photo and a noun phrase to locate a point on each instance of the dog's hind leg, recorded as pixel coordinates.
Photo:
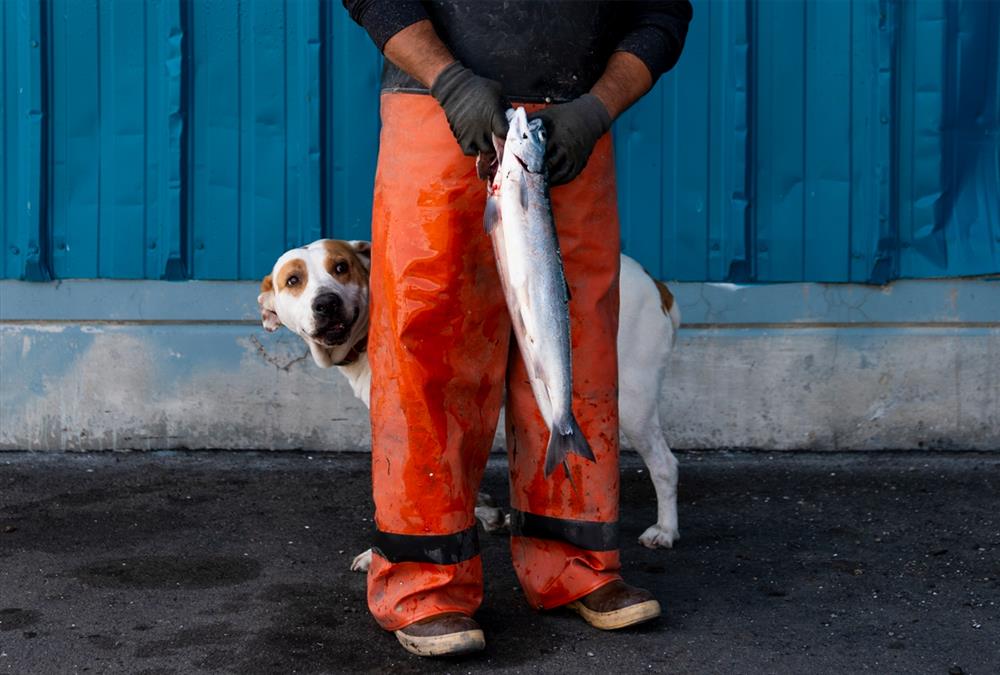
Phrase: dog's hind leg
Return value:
(491, 517)
(639, 416)
(662, 465)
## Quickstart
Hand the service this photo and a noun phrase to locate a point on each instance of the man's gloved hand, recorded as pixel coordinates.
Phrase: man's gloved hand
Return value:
(574, 129)
(474, 107)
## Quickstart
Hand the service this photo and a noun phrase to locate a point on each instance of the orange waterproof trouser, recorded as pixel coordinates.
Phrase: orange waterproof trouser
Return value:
(441, 350)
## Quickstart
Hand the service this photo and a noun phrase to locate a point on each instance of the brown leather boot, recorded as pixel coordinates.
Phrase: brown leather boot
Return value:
(448, 634)
(616, 605)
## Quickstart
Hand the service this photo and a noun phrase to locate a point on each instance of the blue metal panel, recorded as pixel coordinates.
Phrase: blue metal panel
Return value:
(681, 157)
(803, 123)
(810, 140)
(352, 72)
(121, 194)
(921, 75)
(949, 140)
(215, 159)
(21, 143)
(254, 134)
(115, 129)
(76, 139)
(780, 31)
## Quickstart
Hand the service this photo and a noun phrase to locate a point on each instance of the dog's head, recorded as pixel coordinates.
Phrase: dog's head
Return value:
(320, 292)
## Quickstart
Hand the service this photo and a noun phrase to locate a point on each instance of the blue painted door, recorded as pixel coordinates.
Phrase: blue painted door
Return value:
(820, 140)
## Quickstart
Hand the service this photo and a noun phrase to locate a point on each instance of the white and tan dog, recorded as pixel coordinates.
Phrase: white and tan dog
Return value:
(320, 292)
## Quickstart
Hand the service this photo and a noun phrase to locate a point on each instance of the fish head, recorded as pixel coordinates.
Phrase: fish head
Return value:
(526, 141)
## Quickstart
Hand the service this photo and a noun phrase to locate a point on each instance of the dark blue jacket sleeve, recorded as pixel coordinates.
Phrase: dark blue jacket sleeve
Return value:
(655, 32)
(384, 18)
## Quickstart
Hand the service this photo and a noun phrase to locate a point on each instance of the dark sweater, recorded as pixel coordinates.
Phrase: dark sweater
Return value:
(538, 49)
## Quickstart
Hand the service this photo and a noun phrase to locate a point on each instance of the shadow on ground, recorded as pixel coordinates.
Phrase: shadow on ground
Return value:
(238, 562)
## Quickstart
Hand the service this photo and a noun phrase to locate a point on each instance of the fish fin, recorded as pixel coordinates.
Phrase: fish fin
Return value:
(491, 215)
(566, 438)
(523, 194)
(569, 296)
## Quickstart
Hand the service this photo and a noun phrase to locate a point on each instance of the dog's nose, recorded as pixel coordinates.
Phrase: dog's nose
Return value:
(327, 304)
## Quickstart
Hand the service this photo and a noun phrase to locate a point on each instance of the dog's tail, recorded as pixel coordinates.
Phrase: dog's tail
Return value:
(668, 303)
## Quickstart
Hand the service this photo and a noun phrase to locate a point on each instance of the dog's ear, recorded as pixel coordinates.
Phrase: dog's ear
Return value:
(268, 317)
(363, 249)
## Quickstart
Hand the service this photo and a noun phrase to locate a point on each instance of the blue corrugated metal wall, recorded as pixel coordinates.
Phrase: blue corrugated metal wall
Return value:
(821, 140)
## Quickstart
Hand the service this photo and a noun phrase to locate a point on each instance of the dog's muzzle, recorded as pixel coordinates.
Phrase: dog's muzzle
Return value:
(332, 319)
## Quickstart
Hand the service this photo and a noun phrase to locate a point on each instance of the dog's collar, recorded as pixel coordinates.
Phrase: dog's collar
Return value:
(359, 348)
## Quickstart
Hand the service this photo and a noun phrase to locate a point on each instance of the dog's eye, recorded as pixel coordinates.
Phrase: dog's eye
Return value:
(292, 281)
(340, 267)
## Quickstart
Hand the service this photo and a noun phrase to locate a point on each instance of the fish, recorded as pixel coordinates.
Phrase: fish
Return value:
(518, 220)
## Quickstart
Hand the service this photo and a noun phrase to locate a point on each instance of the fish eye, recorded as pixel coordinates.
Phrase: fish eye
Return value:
(292, 281)
(340, 267)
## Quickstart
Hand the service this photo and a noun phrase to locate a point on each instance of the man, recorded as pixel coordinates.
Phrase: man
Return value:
(440, 344)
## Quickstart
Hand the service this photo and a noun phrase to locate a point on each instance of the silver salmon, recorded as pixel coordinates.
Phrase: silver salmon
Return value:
(518, 218)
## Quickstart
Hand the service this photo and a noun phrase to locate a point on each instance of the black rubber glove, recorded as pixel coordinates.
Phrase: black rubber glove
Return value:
(574, 129)
(474, 107)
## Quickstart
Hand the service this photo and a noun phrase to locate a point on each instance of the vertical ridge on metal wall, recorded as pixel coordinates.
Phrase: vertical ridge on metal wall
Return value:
(76, 122)
(121, 27)
(352, 69)
(921, 74)
(166, 256)
(22, 147)
(870, 226)
(214, 115)
(730, 184)
(303, 40)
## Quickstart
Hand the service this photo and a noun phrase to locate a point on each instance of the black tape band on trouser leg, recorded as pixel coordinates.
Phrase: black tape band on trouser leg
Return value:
(584, 534)
(440, 549)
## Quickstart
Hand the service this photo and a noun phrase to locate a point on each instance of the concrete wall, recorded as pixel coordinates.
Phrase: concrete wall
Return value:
(106, 365)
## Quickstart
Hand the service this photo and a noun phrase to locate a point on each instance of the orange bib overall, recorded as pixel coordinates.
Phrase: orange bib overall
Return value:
(441, 353)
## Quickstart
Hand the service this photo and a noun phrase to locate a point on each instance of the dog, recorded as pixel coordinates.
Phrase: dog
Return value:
(320, 292)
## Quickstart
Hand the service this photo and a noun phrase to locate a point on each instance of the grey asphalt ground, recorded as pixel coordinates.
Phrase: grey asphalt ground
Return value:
(238, 562)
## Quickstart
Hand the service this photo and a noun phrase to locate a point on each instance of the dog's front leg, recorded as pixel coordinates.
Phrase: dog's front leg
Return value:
(362, 561)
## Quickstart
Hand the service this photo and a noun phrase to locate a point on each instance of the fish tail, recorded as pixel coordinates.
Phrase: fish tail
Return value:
(566, 438)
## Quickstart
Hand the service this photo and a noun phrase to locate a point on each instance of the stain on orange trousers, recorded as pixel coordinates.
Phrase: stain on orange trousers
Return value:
(441, 352)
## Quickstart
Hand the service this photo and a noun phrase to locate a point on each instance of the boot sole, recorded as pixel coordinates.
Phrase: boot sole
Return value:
(452, 644)
(618, 618)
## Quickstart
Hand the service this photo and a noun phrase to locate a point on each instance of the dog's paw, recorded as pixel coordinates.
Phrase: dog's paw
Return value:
(362, 562)
(492, 519)
(659, 537)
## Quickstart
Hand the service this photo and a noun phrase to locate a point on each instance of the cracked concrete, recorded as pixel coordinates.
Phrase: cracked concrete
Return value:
(107, 387)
